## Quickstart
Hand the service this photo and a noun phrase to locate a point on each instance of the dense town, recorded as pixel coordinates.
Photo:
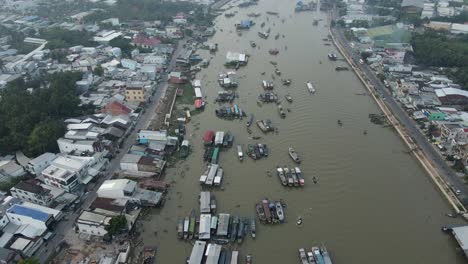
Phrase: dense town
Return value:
(115, 93)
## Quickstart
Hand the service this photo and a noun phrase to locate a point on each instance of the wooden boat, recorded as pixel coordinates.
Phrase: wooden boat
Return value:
(249, 123)
(148, 255)
(253, 231)
(288, 175)
(341, 68)
(281, 176)
(303, 256)
(277, 72)
(310, 87)
(286, 81)
(235, 225)
(294, 156)
(193, 221)
(240, 231)
(248, 259)
(281, 111)
(240, 153)
(288, 98)
(266, 209)
(260, 212)
(339, 122)
(279, 211)
(262, 126)
(186, 227)
(252, 44)
(180, 228)
(294, 176)
(300, 176)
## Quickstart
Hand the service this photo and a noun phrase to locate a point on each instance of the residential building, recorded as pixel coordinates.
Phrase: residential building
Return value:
(452, 96)
(38, 164)
(145, 42)
(10, 169)
(135, 94)
(116, 108)
(33, 192)
(20, 214)
(79, 146)
(105, 36)
(412, 6)
(129, 64)
(92, 223)
(60, 178)
(129, 190)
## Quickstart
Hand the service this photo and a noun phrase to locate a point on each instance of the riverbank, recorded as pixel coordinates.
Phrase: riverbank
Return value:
(432, 172)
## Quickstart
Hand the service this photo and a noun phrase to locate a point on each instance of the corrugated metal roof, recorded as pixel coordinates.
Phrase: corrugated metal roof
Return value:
(30, 212)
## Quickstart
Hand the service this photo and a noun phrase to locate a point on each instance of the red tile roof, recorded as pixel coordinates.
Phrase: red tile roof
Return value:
(145, 41)
(116, 108)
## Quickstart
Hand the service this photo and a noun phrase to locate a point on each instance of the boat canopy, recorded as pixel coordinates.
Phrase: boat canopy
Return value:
(197, 252)
(205, 226)
(223, 225)
(208, 137)
(205, 202)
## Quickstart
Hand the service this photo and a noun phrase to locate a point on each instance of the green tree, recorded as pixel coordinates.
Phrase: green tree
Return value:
(116, 225)
(124, 44)
(98, 70)
(43, 136)
(29, 260)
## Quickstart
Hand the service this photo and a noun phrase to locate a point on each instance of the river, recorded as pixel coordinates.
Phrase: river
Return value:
(372, 204)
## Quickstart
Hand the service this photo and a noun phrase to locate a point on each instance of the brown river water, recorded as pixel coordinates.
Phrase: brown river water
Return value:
(373, 202)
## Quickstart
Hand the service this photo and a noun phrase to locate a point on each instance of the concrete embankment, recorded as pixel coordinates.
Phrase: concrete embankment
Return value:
(433, 173)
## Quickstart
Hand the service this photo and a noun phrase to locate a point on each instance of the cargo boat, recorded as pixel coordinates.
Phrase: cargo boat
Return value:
(294, 176)
(288, 175)
(240, 153)
(234, 226)
(303, 256)
(279, 211)
(253, 231)
(260, 212)
(240, 231)
(180, 228)
(193, 221)
(266, 209)
(294, 156)
(281, 176)
(300, 176)
(186, 227)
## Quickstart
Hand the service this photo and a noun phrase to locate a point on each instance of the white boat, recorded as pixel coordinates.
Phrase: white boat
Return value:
(310, 87)
(240, 153)
(279, 211)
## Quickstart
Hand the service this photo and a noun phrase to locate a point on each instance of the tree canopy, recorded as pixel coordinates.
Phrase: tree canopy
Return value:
(435, 48)
(32, 120)
(116, 225)
(63, 38)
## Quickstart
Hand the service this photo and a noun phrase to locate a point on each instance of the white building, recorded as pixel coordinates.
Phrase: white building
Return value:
(70, 145)
(104, 37)
(38, 164)
(127, 189)
(92, 223)
(155, 59)
(29, 191)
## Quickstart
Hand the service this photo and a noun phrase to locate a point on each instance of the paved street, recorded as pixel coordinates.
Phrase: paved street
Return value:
(66, 225)
(407, 122)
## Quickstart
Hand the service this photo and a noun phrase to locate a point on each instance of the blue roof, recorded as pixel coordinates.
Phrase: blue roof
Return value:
(26, 211)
